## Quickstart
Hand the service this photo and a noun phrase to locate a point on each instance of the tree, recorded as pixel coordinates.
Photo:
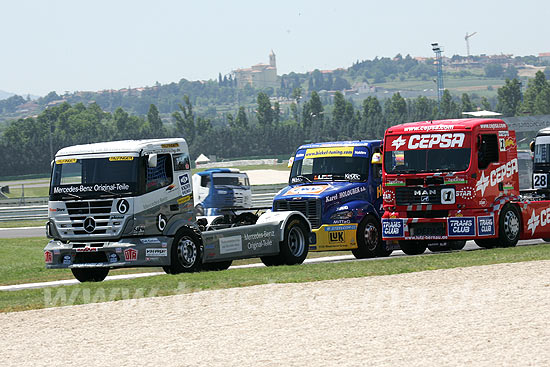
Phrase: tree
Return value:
(241, 120)
(534, 88)
(395, 109)
(494, 71)
(485, 104)
(265, 113)
(542, 102)
(185, 125)
(509, 97)
(339, 111)
(449, 109)
(467, 105)
(154, 120)
(276, 112)
(511, 72)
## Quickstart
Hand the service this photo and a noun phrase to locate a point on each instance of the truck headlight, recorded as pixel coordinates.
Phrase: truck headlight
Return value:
(346, 214)
(222, 192)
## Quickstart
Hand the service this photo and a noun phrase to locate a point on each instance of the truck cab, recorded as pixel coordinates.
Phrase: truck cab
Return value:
(337, 186)
(541, 162)
(449, 181)
(221, 188)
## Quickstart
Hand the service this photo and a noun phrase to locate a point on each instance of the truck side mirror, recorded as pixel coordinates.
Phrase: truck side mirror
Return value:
(376, 158)
(152, 160)
(51, 164)
(532, 146)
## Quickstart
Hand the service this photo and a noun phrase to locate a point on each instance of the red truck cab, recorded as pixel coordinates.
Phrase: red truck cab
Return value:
(445, 182)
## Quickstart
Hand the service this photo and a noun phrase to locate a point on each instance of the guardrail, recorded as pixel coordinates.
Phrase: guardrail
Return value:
(261, 196)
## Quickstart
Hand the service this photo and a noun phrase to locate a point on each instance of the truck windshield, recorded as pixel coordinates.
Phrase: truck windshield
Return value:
(427, 160)
(94, 177)
(231, 180)
(542, 150)
(330, 169)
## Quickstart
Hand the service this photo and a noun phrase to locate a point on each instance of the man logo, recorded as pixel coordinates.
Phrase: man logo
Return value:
(89, 224)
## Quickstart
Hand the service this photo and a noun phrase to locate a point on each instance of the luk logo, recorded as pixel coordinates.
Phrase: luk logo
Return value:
(336, 237)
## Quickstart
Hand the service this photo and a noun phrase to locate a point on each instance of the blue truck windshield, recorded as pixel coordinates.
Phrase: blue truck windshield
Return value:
(330, 169)
(94, 177)
(427, 160)
(231, 180)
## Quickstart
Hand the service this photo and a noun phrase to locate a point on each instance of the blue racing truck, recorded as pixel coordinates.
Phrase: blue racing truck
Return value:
(337, 186)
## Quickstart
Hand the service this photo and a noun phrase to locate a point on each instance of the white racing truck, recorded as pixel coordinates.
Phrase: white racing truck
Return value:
(130, 204)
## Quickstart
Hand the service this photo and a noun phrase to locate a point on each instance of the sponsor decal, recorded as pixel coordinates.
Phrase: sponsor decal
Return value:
(86, 249)
(455, 180)
(485, 226)
(493, 126)
(336, 237)
(130, 254)
(117, 216)
(307, 189)
(184, 199)
(392, 228)
(329, 152)
(67, 260)
(156, 252)
(497, 175)
(118, 250)
(341, 221)
(161, 222)
(466, 193)
(503, 133)
(508, 187)
(57, 209)
(345, 194)
(171, 145)
(121, 158)
(231, 244)
(461, 226)
(429, 141)
(153, 240)
(210, 246)
(343, 207)
(429, 127)
(483, 202)
(48, 257)
(164, 244)
(63, 161)
(185, 184)
(352, 176)
(388, 196)
(90, 188)
(543, 219)
(448, 195)
(322, 177)
(395, 182)
(122, 206)
(113, 258)
(56, 252)
(340, 228)
(300, 155)
(169, 188)
(259, 240)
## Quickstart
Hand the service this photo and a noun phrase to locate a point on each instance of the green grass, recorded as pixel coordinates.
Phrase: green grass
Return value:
(23, 223)
(30, 192)
(164, 285)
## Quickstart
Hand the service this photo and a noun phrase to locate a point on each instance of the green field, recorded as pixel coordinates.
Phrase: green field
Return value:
(23, 223)
(14, 269)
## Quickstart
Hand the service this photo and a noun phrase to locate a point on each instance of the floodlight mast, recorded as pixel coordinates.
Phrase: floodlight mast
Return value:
(439, 64)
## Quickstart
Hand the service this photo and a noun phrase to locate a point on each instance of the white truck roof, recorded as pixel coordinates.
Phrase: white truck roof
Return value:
(145, 146)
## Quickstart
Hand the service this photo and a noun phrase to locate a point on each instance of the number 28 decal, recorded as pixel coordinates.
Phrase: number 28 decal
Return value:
(540, 180)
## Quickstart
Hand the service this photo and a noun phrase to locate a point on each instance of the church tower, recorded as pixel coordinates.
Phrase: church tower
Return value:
(272, 61)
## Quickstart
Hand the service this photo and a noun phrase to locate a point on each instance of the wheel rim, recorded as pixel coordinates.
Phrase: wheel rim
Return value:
(187, 252)
(371, 237)
(296, 241)
(511, 225)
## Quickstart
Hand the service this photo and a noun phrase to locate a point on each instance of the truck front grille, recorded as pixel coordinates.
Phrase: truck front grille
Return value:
(80, 211)
(418, 195)
(311, 208)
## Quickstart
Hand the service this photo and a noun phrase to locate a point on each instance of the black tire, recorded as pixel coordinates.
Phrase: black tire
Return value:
(217, 266)
(245, 219)
(546, 239)
(90, 274)
(413, 247)
(275, 260)
(199, 210)
(369, 239)
(509, 226)
(295, 244)
(454, 245)
(186, 252)
(487, 243)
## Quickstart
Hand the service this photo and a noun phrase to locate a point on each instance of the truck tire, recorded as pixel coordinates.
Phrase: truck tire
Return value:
(295, 244)
(447, 246)
(509, 226)
(412, 247)
(217, 266)
(90, 274)
(369, 239)
(275, 260)
(186, 252)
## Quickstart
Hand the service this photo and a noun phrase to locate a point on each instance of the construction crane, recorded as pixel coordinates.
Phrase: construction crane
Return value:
(467, 37)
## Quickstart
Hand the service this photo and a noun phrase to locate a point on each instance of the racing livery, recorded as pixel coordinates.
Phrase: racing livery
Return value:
(453, 180)
(338, 187)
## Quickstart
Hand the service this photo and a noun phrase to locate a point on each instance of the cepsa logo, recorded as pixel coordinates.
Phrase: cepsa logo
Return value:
(497, 175)
(429, 141)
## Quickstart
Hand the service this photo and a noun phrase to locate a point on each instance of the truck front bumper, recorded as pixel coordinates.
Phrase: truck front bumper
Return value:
(127, 252)
(332, 237)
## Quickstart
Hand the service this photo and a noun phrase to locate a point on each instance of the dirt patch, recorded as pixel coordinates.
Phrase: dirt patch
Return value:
(486, 315)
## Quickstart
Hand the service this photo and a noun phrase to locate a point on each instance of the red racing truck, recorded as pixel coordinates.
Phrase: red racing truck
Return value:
(445, 182)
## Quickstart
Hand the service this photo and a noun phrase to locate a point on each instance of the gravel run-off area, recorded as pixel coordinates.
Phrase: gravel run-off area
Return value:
(482, 316)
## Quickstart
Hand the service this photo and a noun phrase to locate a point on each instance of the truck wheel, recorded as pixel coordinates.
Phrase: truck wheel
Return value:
(90, 274)
(220, 265)
(509, 226)
(412, 247)
(295, 244)
(487, 243)
(186, 252)
(447, 246)
(369, 239)
(275, 260)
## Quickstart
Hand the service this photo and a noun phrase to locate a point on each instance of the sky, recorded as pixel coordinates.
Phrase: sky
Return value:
(77, 45)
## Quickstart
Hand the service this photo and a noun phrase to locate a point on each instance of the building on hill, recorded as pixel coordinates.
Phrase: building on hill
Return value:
(259, 75)
(544, 56)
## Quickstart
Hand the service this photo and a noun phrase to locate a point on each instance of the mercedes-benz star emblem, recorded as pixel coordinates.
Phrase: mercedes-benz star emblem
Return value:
(89, 224)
